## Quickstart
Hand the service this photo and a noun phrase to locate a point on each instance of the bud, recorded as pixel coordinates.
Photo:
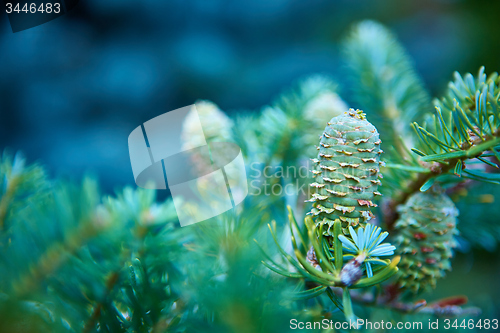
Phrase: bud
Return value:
(352, 272)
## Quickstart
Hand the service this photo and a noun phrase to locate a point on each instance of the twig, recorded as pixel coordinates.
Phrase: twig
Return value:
(440, 308)
(391, 214)
(6, 199)
(54, 257)
(110, 283)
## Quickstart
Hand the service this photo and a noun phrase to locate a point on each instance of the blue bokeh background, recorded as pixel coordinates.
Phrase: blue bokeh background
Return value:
(72, 90)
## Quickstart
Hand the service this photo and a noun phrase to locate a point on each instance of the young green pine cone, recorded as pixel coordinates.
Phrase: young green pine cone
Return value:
(346, 172)
(424, 237)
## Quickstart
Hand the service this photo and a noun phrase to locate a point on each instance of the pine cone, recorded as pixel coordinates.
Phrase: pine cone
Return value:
(346, 172)
(424, 239)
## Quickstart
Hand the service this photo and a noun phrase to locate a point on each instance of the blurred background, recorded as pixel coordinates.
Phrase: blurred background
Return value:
(73, 89)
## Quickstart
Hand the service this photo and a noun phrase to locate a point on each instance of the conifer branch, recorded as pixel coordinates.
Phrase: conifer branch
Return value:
(18, 185)
(414, 186)
(465, 126)
(448, 307)
(384, 83)
(96, 313)
(65, 265)
(55, 256)
(6, 199)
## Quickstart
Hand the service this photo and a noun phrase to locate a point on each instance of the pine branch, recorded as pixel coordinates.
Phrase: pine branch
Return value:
(465, 126)
(96, 313)
(390, 208)
(7, 198)
(285, 134)
(384, 83)
(143, 288)
(447, 307)
(289, 128)
(336, 260)
(19, 184)
(55, 256)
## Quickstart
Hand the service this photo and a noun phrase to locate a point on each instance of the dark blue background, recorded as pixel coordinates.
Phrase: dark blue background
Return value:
(71, 90)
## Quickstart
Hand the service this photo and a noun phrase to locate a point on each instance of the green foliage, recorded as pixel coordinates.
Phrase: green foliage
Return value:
(20, 185)
(347, 170)
(463, 130)
(286, 129)
(465, 126)
(277, 143)
(92, 262)
(72, 260)
(326, 264)
(79, 262)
